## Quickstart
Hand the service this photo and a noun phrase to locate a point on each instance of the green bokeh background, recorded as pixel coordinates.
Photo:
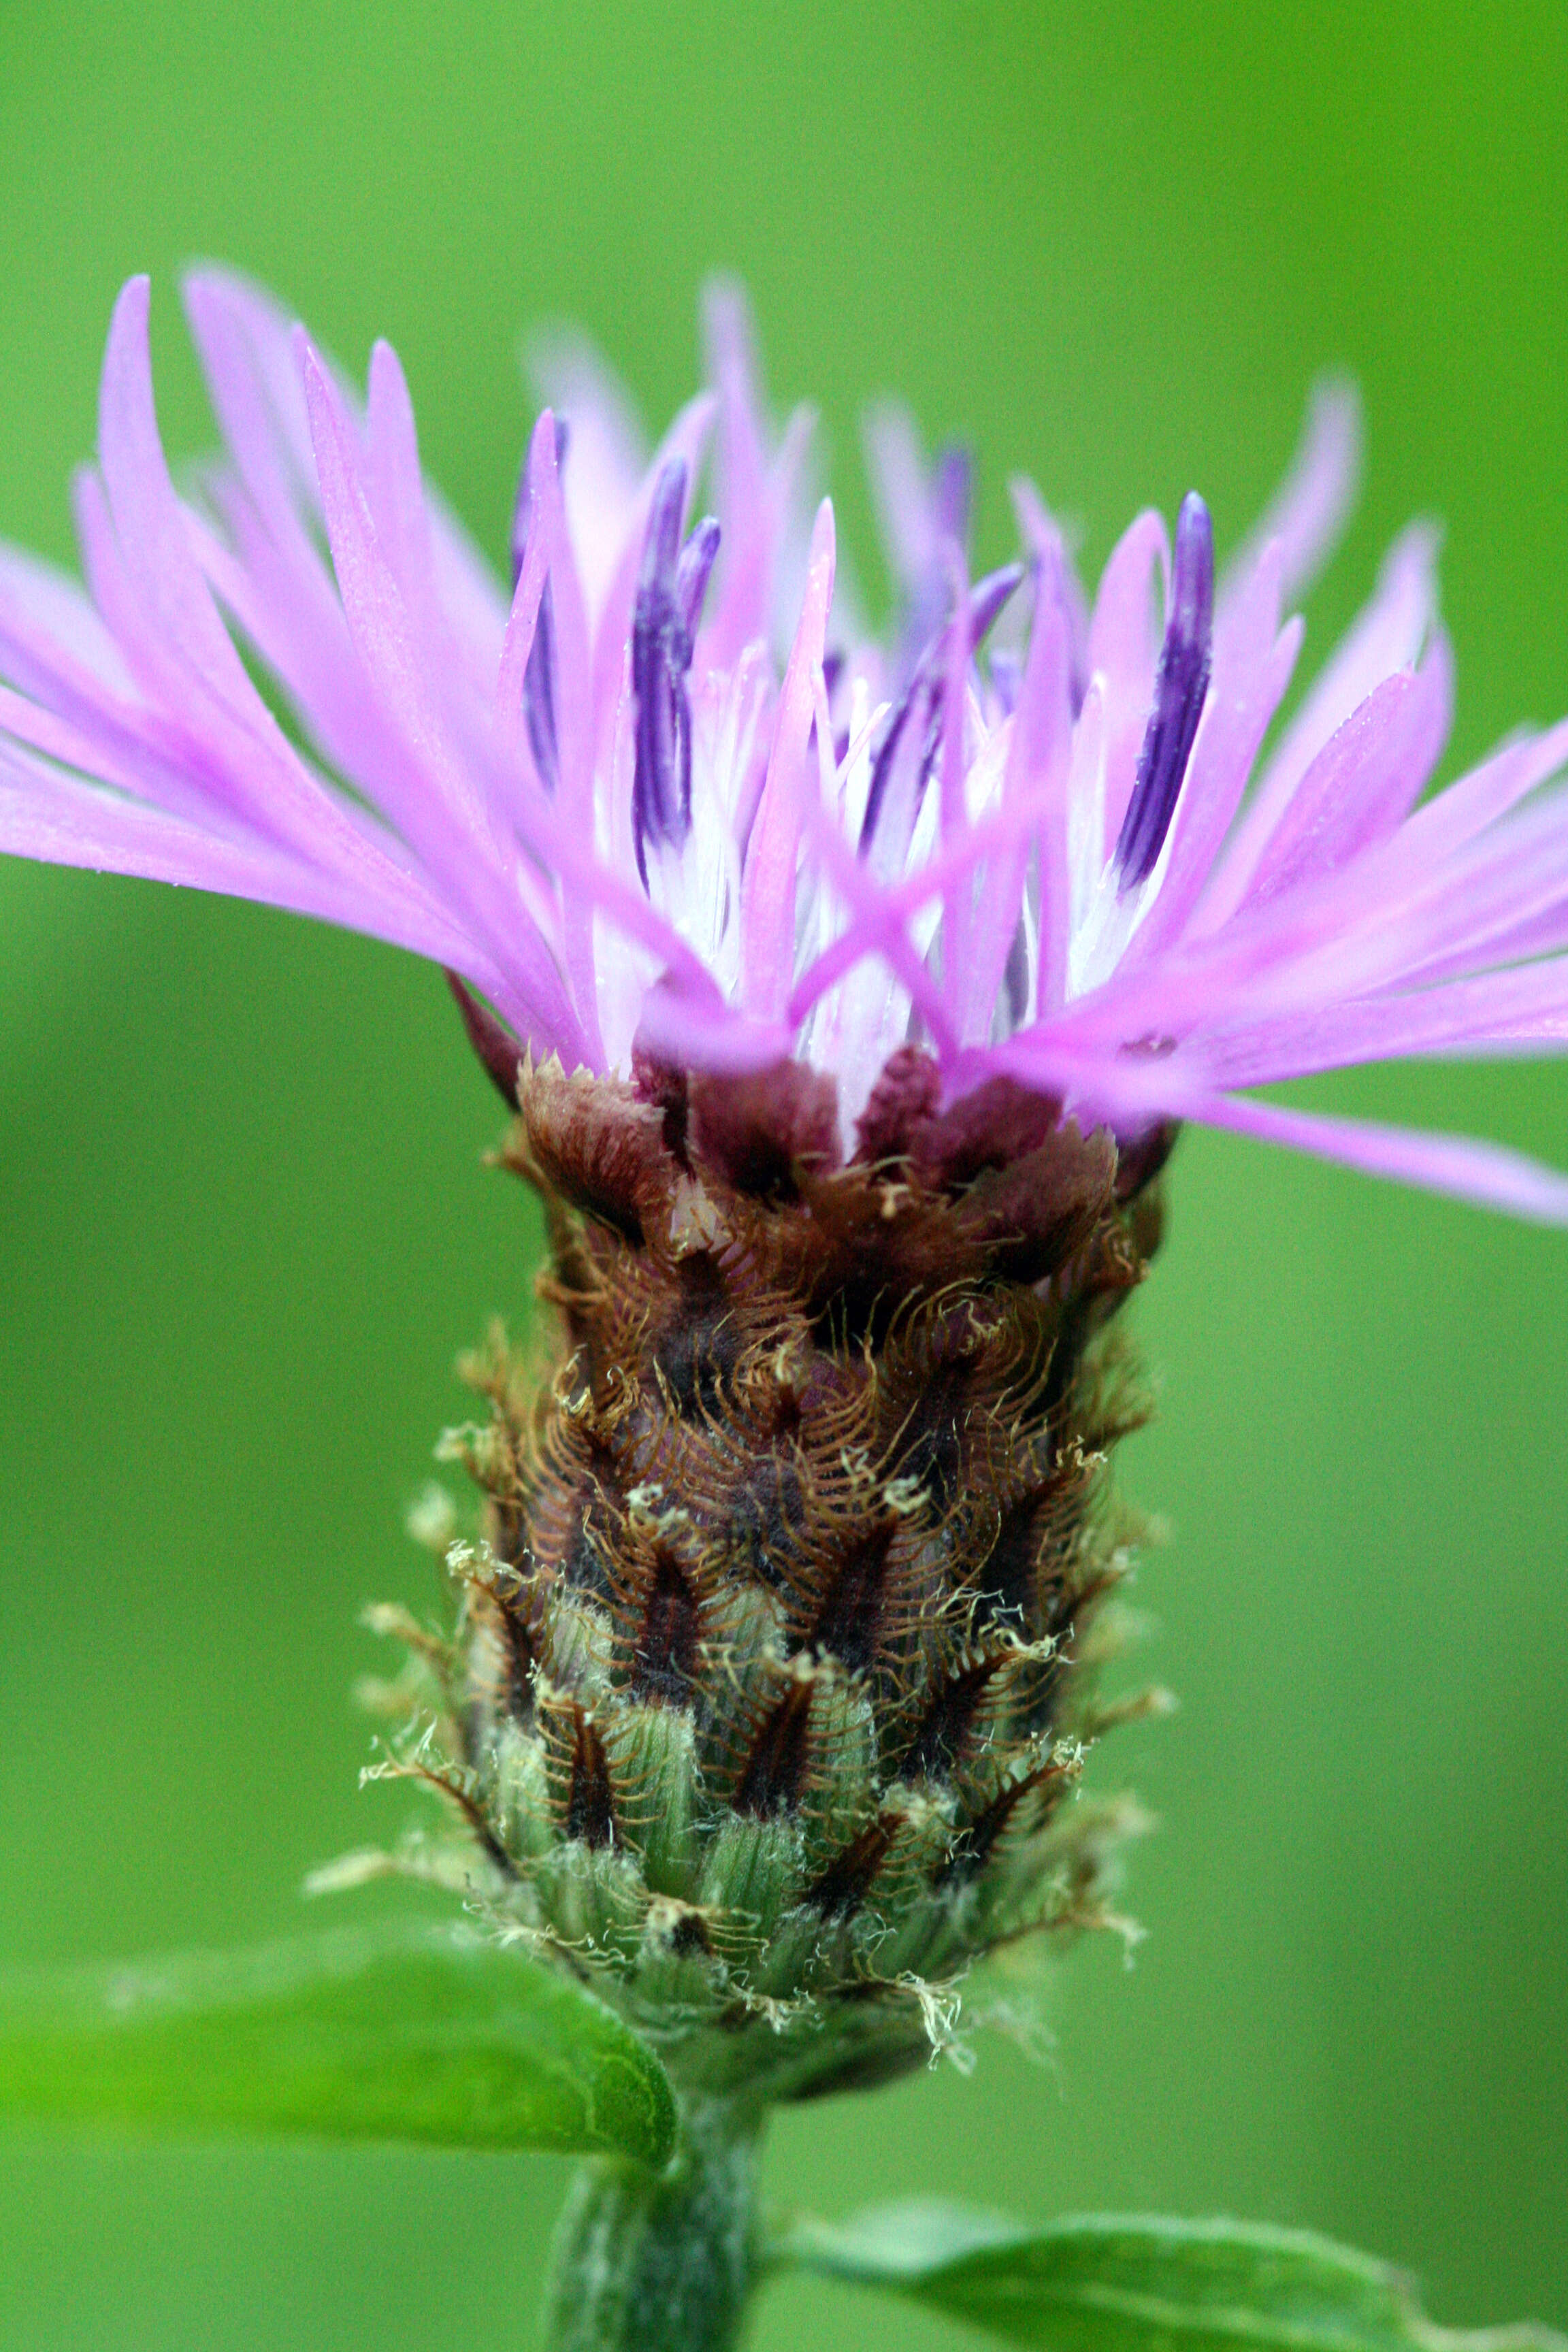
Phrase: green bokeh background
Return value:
(243, 1229)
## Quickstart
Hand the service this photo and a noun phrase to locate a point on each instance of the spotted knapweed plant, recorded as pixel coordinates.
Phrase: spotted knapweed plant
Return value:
(849, 994)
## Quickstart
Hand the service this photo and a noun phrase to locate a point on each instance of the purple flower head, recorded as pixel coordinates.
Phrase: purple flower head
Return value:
(666, 801)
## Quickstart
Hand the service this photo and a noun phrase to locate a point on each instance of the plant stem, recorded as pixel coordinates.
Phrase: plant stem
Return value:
(661, 2262)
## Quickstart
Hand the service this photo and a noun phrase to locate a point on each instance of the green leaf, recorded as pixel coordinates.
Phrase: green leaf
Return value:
(413, 2034)
(1109, 2284)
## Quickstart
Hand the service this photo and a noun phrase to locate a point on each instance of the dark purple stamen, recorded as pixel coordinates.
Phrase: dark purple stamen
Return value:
(539, 675)
(1006, 677)
(988, 596)
(949, 490)
(1179, 690)
(986, 599)
(671, 590)
(882, 768)
(539, 696)
(832, 671)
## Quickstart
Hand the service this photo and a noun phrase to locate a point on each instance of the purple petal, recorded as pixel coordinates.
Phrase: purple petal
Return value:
(546, 640)
(877, 928)
(49, 632)
(1039, 759)
(146, 516)
(695, 1028)
(747, 498)
(1483, 1015)
(1310, 509)
(989, 595)
(912, 736)
(768, 882)
(669, 600)
(1357, 933)
(219, 734)
(274, 579)
(1388, 636)
(246, 344)
(528, 645)
(683, 444)
(608, 455)
(953, 495)
(1472, 802)
(1363, 782)
(1253, 666)
(1124, 650)
(693, 572)
(951, 809)
(47, 816)
(920, 516)
(438, 806)
(1049, 545)
(1486, 1175)
(901, 495)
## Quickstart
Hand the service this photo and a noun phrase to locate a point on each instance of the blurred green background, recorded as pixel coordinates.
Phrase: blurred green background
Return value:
(243, 1228)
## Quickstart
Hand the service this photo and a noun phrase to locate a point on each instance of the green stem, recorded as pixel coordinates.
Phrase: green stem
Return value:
(662, 2262)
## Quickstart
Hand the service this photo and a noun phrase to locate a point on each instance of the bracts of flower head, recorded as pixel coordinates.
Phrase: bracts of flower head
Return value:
(670, 800)
(776, 1655)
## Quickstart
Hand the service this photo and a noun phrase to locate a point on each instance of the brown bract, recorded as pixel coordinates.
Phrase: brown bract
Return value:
(773, 1683)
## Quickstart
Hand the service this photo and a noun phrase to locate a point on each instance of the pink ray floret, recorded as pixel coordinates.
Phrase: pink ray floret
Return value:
(668, 800)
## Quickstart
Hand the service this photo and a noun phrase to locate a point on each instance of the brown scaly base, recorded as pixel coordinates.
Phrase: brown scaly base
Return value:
(770, 1690)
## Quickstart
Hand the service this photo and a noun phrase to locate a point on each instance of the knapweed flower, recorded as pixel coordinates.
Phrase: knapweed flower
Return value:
(670, 797)
(849, 992)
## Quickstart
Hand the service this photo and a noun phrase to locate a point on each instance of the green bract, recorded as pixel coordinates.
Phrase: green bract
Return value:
(773, 1677)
